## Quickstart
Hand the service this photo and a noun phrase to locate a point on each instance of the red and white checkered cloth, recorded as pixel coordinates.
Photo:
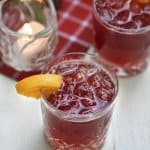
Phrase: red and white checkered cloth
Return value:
(75, 32)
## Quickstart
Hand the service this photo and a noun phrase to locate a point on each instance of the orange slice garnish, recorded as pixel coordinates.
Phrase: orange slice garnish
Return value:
(144, 1)
(33, 85)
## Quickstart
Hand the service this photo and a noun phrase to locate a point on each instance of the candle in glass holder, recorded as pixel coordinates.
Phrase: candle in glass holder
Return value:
(26, 44)
(28, 33)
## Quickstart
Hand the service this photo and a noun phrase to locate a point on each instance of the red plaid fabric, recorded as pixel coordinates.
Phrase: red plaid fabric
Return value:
(75, 32)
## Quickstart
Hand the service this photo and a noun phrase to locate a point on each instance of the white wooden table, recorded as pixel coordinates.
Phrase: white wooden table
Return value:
(21, 125)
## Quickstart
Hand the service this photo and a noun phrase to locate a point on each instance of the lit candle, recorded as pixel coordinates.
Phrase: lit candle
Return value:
(34, 47)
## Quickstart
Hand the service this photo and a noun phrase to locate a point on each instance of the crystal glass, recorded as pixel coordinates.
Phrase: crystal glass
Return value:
(78, 115)
(28, 33)
(122, 34)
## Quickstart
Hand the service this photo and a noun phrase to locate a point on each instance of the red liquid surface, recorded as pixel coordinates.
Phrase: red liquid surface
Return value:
(86, 89)
(114, 22)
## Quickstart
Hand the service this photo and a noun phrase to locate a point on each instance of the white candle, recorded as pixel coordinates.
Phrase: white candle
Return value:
(34, 47)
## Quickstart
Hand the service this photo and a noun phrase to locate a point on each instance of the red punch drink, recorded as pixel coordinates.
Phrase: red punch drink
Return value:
(122, 34)
(77, 116)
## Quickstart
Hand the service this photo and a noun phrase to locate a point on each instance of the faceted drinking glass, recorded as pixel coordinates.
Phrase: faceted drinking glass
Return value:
(78, 115)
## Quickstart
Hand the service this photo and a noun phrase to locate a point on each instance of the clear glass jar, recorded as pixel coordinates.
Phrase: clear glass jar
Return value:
(28, 33)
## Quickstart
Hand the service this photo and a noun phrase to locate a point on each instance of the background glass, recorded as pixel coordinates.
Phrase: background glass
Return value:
(122, 34)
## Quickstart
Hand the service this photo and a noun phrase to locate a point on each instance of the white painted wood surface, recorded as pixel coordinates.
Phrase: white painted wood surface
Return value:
(21, 125)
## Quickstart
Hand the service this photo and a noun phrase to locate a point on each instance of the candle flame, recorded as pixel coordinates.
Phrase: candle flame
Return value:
(27, 29)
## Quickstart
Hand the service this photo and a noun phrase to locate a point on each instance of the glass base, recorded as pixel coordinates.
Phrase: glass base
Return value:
(58, 144)
(129, 69)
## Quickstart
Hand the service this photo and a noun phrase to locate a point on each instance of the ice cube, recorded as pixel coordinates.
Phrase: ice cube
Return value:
(129, 25)
(67, 70)
(86, 111)
(83, 90)
(88, 102)
(107, 83)
(94, 81)
(145, 19)
(118, 4)
(147, 9)
(69, 88)
(138, 21)
(99, 4)
(135, 7)
(122, 17)
(104, 94)
(106, 14)
(69, 79)
(92, 71)
(80, 76)
(64, 107)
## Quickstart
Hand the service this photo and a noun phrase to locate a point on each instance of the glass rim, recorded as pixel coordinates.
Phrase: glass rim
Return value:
(10, 32)
(83, 117)
(118, 29)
